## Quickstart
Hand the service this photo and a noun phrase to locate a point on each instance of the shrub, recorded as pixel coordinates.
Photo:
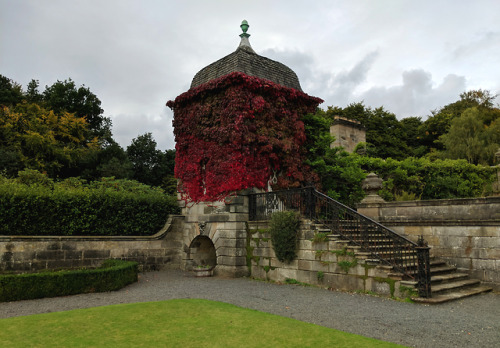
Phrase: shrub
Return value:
(284, 226)
(411, 178)
(74, 208)
(112, 275)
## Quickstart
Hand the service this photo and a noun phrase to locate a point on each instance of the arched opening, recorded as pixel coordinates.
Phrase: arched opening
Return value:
(202, 252)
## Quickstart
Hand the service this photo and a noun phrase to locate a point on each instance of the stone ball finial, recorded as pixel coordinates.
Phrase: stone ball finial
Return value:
(244, 26)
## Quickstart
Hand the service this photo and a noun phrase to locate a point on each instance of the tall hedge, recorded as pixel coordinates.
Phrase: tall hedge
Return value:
(73, 208)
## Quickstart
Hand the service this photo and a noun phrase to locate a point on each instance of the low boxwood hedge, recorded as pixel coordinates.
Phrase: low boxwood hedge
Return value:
(112, 275)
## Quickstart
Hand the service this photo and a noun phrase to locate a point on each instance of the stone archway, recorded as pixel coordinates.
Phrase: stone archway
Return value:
(202, 252)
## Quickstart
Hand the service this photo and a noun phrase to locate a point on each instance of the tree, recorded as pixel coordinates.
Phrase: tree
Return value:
(151, 166)
(112, 160)
(65, 96)
(11, 92)
(412, 135)
(440, 122)
(36, 138)
(471, 139)
(338, 176)
(32, 94)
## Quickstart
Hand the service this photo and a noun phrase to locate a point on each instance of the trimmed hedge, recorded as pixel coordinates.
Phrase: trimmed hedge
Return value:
(112, 275)
(107, 208)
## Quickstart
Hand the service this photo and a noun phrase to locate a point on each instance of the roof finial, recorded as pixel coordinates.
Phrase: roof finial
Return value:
(244, 26)
(244, 36)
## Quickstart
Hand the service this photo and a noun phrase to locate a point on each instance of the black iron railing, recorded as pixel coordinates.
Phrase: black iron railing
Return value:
(407, 257)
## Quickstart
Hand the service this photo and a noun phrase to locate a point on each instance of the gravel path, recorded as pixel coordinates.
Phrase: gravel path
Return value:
(472, 322)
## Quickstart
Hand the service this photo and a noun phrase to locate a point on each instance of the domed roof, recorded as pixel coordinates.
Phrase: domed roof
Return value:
(246, 61)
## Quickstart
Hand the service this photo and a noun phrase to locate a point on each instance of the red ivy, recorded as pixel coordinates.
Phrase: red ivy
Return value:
(234, 132)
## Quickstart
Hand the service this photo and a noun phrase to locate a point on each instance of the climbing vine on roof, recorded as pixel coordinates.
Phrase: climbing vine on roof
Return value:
(236, 132)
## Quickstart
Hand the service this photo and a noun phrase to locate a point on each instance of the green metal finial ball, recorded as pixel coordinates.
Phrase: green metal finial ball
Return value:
(244, 26)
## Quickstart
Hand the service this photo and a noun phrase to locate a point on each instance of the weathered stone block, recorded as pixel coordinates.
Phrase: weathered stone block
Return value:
(231, 260)
(21, 256)
(306, 254)
(38, 265)
(54, 246)
(377, 271)
(489, 253)
(232, 242)
(173, 244)
(305, 244)
(155, 252)
(305, 265)
(283, 274)
(320, 246)
(21, 266)
(73, 254)
(258, 272)
(308, 277)
(319, 266)
(59, 264)
(98, 254)
(264, 252)
(50, 255)
(378, 287)
(483, 264)
(231, 230)
(227, 251)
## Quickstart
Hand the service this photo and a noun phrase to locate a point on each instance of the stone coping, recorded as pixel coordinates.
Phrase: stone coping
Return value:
(433, 202)
(420, 222)
(159, 235)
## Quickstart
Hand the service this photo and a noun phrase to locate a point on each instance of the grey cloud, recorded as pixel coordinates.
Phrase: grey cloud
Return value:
(128, 126)
(489, 41)
(341, 86)
(416, 96)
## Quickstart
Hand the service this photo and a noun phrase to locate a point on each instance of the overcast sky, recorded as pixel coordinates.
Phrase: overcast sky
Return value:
(409, 56)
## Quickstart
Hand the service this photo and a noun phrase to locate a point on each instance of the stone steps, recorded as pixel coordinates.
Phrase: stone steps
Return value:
(446, 283)
(455, 295)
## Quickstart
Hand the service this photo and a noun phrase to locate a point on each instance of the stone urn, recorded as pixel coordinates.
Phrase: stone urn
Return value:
(496, 184)
(371, 185)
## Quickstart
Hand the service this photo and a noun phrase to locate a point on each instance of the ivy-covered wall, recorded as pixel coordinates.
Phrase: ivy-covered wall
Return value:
(236, 132)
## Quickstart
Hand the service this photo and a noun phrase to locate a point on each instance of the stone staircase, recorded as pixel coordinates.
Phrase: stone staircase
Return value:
(447, 283)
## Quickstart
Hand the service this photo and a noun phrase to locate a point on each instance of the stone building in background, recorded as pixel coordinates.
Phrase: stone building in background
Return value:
(348, 133)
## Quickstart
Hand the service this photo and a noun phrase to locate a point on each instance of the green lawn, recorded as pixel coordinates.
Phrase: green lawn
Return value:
(174, 323)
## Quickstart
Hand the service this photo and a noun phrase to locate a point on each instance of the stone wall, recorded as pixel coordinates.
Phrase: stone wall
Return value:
(224, 223)
(33, 253)
(330, 263)
(462, 232)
